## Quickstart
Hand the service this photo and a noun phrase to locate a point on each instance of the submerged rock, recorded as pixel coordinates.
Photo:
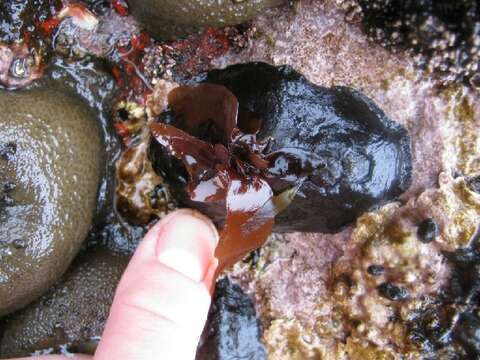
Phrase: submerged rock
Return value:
(52, 161)
(73, 313)
(233, 330)
(170, 18)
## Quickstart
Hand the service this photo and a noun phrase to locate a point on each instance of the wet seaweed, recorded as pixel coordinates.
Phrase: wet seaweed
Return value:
(255, 143)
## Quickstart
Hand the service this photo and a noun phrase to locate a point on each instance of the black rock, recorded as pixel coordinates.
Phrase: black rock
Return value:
(365, 155)
(232, 331)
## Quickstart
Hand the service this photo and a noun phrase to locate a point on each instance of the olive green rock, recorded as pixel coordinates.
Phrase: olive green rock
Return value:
(73, 313)
(165, 19)
(51, 156)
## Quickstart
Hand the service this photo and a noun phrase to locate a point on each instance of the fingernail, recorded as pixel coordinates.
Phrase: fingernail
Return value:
(187, 243)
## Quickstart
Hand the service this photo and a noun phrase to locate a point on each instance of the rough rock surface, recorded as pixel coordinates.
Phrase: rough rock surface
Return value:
(72, 314)
(50, 172)
(170, 18)
(443, 36)
(312, 291)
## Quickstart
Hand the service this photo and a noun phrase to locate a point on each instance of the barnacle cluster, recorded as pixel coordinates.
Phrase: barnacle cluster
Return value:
(443, 35)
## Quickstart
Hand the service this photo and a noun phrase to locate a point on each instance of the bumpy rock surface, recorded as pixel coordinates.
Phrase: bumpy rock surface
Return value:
(233, 330)
(167, 18)
(362, 157)
(451, 324)
(443, 35)
(73, 313)
(305, 321)
(50, 167)
(17, 17)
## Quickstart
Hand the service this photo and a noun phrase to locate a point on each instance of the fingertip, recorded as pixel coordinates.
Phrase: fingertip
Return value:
(162, 300)
(186, 242)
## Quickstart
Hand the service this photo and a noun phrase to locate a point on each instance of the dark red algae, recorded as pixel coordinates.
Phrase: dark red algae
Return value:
(223, 182)
(24, 51)
(256, 145)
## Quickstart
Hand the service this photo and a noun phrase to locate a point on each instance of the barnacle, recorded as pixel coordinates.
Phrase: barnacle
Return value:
(315, 156)
(442, 35)
(141, 195)
(19, 65)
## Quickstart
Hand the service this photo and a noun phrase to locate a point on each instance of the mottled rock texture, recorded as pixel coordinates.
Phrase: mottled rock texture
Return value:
(170, 18)
(292, 283)
(52, 157)
(73, 313)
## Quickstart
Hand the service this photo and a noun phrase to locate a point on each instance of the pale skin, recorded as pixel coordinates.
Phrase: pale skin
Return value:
(161, 304)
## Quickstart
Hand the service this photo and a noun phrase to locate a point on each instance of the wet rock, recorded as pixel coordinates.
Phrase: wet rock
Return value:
(450, 322)
(257, 144)
(365, 156)
(233, 330)
(55, 170)
(170, 18)
(73, 313)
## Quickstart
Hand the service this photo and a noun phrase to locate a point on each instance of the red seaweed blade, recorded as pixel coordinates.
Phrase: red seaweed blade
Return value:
(247, 201)
(229, 173)
(250, 219)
